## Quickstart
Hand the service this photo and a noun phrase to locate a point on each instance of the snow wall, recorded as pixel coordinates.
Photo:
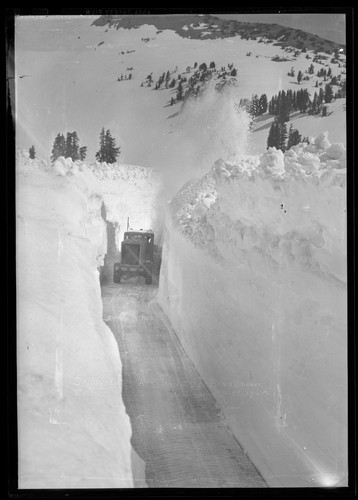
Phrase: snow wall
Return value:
(73, 431)
(253, 279)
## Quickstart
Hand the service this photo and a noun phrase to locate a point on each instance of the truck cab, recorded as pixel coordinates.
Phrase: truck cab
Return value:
(137, 256)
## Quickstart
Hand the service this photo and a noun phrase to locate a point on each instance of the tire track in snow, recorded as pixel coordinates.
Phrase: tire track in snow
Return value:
(178, 428)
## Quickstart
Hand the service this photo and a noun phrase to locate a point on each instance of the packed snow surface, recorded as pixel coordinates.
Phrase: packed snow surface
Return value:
(253, 278)
(73, 429)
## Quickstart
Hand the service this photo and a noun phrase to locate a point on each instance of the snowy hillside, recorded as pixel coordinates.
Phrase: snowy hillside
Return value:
(73, 429)
(68, 77)
(253, 279)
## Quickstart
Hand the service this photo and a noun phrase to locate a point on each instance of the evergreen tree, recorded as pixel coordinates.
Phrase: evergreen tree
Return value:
(294, 101)
(294, 137)
(32, 152)
(343, 88)
(101, 153)
(324, 111)
(311, 69)
(302, 100)
(180, 92)
(282, 136)
(283, 107)
(299, 77)
(254, 108)
(273, 139)
(233, 72)
(328, 93)
(277, 135)
(108, 151)
(272, 108)
(59, 147)
(111, 149)
(315, 107)
(72, 147)
(321, 96)
(292, 72)
(263, 104)
(83, 152)
(212, 64)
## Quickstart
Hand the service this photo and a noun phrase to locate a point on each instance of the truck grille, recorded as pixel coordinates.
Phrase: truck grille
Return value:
(130, 254)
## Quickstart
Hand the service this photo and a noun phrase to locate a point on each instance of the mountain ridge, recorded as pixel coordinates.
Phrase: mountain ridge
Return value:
(206, 27)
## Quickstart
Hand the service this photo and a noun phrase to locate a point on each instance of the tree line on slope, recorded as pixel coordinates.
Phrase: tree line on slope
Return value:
(69, 148)
(190, 86)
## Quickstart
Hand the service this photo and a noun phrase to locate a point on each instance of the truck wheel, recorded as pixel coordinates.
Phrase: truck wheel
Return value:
(116, 278)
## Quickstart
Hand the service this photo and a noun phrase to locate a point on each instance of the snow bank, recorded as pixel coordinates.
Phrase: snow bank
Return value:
(73, 429)
(253, 279)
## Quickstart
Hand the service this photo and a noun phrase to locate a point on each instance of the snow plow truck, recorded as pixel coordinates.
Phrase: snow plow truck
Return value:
(137, 256)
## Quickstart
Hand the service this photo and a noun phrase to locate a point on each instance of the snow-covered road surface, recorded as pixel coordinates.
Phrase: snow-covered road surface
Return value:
(178, 429)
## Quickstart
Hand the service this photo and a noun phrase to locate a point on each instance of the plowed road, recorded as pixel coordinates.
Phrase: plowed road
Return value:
(178, 429)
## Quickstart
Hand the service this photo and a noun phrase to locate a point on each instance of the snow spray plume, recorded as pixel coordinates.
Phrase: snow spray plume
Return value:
(209, 127)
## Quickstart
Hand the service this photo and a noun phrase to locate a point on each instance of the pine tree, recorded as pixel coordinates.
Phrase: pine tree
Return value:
(274, 135)
(328, 93)
(72, 147)
(180, 92)
(233, 72)
(299, 77)
(112, 150)
(277, 135)
(284, 104)
(292, 72)
(59, 147)
(101, 152)
(302, 100)
(32, 152)
(282, 136)
(321, 96)
(343, 88)
(108, 151)
(311, 69)
(263, 104)
(254, 108)
(83, 152)
(315, 107)
(294, 137)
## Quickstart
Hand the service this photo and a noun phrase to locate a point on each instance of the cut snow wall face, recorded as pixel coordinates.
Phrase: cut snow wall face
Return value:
(255, 287)
(73, 429)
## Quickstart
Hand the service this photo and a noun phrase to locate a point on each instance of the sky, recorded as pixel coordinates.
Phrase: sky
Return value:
(329, 26)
